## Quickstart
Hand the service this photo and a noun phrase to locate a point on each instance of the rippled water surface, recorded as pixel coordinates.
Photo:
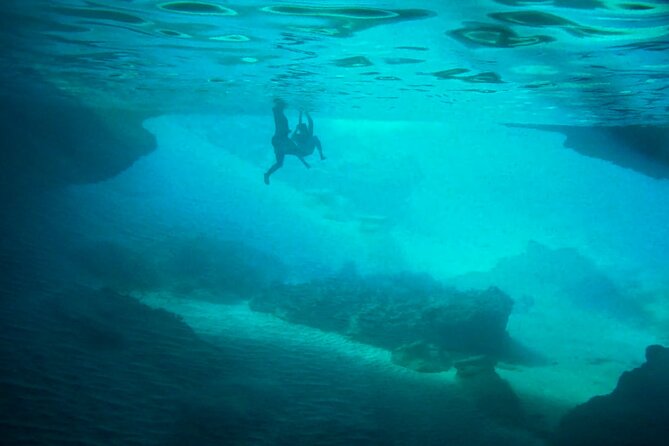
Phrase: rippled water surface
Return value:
(573, 61)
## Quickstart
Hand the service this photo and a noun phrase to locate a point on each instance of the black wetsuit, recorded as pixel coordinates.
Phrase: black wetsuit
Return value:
(305, 139)
(284, 145)
(281, 142)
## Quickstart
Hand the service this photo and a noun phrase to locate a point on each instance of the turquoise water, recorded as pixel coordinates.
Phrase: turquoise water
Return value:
(483, 248)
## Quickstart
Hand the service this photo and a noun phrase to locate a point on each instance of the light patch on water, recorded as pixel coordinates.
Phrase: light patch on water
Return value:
(231, 38)
(536, 70)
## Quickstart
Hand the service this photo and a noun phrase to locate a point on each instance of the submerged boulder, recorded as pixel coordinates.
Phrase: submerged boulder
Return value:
(635, 413)
(395, 311)
(642, 148)
(82, 366)
(201, 266)
(491, 394)
(52, 139)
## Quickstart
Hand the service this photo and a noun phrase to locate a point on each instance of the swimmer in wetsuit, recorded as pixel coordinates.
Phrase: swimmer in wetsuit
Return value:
(305, 139)
(285, 145)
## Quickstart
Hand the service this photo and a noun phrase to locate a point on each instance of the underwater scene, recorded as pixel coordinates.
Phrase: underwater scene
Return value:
(372, 222)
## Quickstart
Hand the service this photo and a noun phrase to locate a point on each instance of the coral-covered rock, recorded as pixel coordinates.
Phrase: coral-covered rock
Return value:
(635, 413)
(392, 311)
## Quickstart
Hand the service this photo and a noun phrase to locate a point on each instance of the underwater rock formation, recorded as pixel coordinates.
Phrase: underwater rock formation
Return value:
(96, 367)
(199, 266)
(635, 413)
(52, 140)
(563, 272)
(491, 394)
(642, 148)
(87, 367)
(396, 311)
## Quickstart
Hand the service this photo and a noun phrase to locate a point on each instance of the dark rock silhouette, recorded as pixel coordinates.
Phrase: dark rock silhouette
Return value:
(52, 140)
(635, 413)
(85, 366)
(643, 148)
(491, 394)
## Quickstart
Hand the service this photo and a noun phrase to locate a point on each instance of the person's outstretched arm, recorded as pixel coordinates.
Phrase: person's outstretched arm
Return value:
(317, 142)
(311, 124)
(298, 126)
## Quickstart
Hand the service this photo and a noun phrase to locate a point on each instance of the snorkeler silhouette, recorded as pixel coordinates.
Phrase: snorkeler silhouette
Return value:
(305, 139)
(301, 144)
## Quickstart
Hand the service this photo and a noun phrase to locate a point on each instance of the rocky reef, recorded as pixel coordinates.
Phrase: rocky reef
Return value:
(424, 322)
(635, 413)
(85, 366)
(564, 273)
(199, 266)
(491, 394)
(642, 148)
(52, 140)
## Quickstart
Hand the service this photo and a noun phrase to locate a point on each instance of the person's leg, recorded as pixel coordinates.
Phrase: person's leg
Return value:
(276, 166)
(279, 154)
(317, 143)
(306, 149)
